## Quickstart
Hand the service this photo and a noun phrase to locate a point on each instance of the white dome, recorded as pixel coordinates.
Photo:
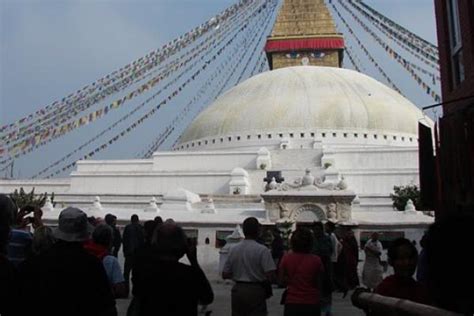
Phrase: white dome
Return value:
(306, 98)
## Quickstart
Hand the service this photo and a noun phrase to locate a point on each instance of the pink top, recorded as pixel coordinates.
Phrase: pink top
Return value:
(303, 271)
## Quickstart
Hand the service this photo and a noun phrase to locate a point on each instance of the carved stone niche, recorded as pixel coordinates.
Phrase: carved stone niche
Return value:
(309, 206)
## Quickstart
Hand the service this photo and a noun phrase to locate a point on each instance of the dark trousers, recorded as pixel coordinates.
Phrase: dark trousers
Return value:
(302, 310)
(127, 267)
(248, 299)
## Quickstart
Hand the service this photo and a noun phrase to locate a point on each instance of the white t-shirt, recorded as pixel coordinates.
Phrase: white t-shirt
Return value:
(248, 261)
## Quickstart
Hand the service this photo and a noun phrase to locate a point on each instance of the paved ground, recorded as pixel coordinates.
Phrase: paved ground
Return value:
(221, 305)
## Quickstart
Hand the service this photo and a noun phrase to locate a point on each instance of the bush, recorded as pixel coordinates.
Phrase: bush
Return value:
(402, 194)
(23, 198)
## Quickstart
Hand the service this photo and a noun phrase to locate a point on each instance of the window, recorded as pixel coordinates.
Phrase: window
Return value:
(222, 140)
(323, 134)
(259, 136)
(229, 138)
(334, 134)
(280, 135)
(312, 134)
(221, 236)
(205, 142)
(344, 134)
(356, 135)
(394, 137)
(248, 136)
(384, 136)
(269, 135)
(302, 135)
(213, 141)
(375, 136)
(455, 43)
(199, 143)
(291, 135)
(365, 135)
(238, 137)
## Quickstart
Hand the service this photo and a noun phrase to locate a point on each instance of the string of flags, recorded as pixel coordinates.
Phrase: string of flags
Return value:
(165, 51)
(61, 116)
(55, 132)
(389, 33)
(203, 91)
(156, 108)
(396, 56)
(349, 54)
(369, 56)
(408, 36)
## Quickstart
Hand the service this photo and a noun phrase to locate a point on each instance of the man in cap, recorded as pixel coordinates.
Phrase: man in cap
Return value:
(66, 280)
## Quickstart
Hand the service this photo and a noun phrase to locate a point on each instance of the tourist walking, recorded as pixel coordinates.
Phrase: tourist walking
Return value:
(111, 220)
(323, 248)
(100, 246)
(66, 280)
(133, 239)
(350, 259)
(302, 273)
(251, 266)
(164, 286)
(372, 273)
(277, 246)
(330, 228)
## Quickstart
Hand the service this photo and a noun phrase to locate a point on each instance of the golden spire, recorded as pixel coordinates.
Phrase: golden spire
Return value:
(304, 34)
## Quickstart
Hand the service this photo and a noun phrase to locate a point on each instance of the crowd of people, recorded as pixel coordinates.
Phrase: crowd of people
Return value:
(73, 269)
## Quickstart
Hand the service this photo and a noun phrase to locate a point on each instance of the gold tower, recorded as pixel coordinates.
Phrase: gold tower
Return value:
(304, 34)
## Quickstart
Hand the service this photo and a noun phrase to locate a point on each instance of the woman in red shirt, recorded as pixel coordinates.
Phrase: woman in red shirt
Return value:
(301, 272)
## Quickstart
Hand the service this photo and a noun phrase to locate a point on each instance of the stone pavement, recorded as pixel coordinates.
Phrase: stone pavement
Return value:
(221, 304)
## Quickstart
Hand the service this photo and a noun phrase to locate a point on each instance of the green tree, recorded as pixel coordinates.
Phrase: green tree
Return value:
(402, 194)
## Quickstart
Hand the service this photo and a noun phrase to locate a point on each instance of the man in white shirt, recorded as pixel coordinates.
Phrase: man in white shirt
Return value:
(251, 266)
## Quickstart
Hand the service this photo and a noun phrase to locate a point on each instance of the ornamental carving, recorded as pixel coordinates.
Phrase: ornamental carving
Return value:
(307, 183)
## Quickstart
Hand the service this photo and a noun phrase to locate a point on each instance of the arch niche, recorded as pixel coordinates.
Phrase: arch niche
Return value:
(309, 213)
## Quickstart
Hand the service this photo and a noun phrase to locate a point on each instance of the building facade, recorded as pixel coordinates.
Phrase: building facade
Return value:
(455, 26)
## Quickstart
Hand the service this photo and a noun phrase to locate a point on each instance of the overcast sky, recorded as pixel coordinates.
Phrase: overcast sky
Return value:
(50, 48)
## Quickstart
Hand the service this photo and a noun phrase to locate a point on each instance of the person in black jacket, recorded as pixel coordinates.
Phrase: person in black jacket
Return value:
(111, 220)
(162, 285)
(133, 239)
